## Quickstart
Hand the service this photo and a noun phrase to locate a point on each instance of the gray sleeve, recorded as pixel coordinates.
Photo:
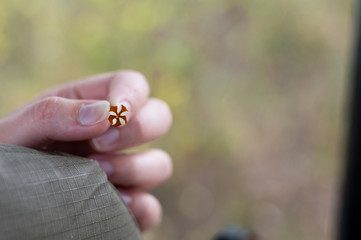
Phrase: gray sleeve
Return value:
(53, 195)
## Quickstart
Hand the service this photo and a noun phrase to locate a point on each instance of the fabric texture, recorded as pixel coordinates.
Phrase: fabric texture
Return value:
(54, 195)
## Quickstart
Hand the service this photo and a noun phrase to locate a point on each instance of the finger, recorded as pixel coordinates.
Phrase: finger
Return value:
(140, 170)
(145, 208)
(152, 121)
(55, 118)
(129, 88)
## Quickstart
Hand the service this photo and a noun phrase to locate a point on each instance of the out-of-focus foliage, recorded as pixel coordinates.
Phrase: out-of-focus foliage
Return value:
(257, 89)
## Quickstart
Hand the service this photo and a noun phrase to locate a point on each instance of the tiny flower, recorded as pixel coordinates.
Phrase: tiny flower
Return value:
(117, 115)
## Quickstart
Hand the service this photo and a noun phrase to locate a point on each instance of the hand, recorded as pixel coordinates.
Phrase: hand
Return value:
(73, 118)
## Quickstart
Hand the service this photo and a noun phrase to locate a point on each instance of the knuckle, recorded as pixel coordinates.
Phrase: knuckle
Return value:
(46, 109)
(129, 179)
(127, 174)
(132, 179)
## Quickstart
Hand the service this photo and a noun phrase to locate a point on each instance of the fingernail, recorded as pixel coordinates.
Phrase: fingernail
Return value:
(127, 199)
(93, 113)
(108, 138)
(107, 167)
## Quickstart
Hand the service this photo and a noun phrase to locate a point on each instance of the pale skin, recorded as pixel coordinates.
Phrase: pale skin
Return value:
(62, 119)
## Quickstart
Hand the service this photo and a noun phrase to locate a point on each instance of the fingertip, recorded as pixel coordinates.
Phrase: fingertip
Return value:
(156, 107)
(165, 110)
(139, 81)
(129, 88)
(167, 162)
(146, 209)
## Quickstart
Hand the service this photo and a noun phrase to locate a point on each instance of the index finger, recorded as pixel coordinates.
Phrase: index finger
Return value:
(129, 88)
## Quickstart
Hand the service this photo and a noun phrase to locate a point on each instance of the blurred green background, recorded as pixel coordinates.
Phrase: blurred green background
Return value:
(258, 90)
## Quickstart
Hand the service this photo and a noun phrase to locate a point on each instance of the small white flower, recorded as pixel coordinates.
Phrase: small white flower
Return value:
(117, 115)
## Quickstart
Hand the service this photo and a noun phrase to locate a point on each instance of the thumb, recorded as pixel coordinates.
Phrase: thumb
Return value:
(55, 119)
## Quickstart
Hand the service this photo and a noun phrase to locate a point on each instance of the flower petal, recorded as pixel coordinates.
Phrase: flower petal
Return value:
(123, 113)
(122, 122)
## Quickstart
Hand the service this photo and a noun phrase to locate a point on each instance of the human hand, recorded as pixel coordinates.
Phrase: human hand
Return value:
(74, 118)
